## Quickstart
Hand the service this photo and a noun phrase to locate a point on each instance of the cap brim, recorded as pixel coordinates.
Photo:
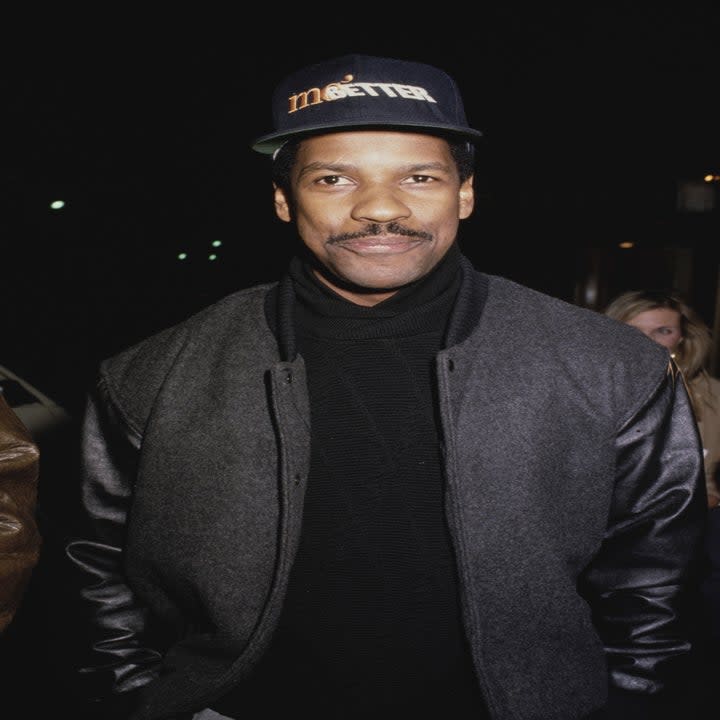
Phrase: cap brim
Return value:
(268, 144)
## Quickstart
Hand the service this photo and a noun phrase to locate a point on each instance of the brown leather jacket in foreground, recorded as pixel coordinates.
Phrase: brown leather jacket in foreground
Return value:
(19, 536)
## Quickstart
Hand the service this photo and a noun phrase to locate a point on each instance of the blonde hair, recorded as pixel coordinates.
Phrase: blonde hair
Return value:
(693, 352)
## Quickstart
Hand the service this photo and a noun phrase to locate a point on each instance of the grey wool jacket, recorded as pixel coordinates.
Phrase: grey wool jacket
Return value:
(574, 497)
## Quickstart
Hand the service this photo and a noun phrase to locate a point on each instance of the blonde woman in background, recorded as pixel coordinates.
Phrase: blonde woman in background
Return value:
(668, 320)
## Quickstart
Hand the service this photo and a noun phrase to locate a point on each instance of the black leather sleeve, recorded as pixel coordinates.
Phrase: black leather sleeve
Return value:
(117, 659)
(643, 576)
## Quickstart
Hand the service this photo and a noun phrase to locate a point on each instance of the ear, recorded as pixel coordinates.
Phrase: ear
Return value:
(282, 205)
(466, 197)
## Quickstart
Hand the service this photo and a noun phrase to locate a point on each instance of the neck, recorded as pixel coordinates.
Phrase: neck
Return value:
(366, 298)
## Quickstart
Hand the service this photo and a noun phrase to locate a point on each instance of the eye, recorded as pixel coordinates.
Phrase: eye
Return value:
(420, 179)
(332, 180)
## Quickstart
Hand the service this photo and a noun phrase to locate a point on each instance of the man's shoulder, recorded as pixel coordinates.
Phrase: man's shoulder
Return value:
(237, 306)
(511, 294)
(580, 332)
(606, 363)
(229, 319)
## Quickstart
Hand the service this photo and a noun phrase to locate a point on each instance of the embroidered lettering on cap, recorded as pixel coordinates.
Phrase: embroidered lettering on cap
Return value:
(346, 88)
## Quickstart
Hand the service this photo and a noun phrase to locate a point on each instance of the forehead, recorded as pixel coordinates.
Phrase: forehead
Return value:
(656, 318)
(358, 146)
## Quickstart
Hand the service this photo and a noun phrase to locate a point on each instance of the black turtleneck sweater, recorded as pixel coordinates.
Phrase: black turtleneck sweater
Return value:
(371, 623)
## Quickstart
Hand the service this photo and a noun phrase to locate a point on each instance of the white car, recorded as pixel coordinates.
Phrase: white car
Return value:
(40, 414)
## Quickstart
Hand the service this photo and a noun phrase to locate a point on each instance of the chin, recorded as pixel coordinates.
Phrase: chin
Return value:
(381, 284)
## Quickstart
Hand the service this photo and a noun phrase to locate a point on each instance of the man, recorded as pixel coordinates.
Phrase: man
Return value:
(389, 485)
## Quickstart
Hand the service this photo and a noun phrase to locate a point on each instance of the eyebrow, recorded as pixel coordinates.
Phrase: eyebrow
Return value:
(340, 168)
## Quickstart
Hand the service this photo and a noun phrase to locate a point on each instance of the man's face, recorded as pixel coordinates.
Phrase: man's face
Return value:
(379, 209)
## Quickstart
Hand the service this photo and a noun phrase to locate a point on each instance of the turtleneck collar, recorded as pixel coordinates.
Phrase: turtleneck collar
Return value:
(466, 289)
(423, 306)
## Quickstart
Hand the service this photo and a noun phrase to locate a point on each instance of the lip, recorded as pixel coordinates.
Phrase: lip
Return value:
(381, 245)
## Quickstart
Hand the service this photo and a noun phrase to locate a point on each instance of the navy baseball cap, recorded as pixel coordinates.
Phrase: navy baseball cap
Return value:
(364, 91)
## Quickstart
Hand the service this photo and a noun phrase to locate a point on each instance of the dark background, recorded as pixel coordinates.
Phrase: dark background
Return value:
(593, 119)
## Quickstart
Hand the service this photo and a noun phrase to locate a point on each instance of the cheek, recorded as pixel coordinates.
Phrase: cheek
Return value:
(314, 230)
(668, 342)
(319, 217)
(313, 233)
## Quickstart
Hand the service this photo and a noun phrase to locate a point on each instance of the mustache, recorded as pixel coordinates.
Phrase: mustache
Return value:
(379, 229)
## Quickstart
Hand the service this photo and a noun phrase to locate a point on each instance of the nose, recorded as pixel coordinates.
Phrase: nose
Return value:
(379, 204)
